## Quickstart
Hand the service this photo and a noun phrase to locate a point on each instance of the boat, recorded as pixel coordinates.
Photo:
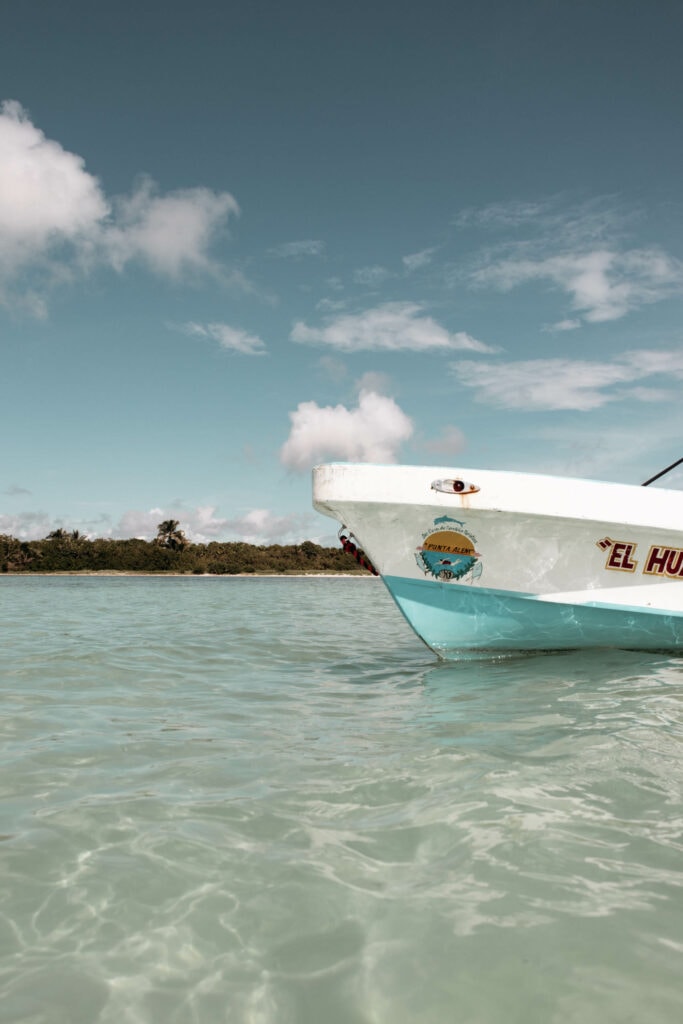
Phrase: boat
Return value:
(488, 562)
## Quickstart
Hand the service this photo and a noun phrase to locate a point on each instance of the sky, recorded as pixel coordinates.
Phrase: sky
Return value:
(240, 240)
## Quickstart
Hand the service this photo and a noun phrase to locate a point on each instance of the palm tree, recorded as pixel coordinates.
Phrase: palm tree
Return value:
(59, 534)
(169, 536)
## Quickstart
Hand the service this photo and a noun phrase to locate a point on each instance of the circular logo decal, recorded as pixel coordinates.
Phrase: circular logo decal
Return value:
(447, 554)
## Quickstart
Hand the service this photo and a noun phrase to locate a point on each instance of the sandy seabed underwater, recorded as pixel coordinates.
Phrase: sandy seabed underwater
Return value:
(264, 800)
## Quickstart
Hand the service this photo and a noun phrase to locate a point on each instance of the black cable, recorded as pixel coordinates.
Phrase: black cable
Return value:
(667, 470)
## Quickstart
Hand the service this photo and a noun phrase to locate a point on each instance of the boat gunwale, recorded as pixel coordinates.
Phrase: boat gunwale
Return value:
(501, 491)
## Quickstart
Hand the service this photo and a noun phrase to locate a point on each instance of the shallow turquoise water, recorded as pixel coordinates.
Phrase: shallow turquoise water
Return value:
(263, 800)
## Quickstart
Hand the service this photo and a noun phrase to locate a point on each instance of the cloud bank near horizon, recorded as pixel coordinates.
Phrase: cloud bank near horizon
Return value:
(200, 524)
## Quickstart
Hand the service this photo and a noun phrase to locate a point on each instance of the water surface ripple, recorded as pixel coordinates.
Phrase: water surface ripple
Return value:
(263, 801)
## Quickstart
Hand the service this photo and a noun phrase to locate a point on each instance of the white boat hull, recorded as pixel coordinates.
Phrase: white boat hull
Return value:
(517, 562)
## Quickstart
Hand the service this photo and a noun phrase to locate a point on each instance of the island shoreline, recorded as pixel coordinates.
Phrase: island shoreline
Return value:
(192, 575)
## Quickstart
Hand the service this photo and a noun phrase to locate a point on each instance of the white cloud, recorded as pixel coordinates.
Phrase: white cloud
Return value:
(327, 305)
(234, 339)
(578, 249)
(642, 394)
(651, 361)
(27, 525)
(391, 327)
(47, 195)
(371, 277)
(553, 222)
(415, 260)
(556, 384)
(56, 222)
(201, 525)
(512, 214)
(136, 523)
(372, 432)
(47, 198)
(171, 233)
(541, 383)
(563, 325)
(603, 284)
(261, 526)
(306, 247)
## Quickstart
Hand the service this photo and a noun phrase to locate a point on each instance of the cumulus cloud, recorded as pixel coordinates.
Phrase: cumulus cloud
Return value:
(391, 327)
(47, 195)
(234, 339)
(306, 247)
(47, 198)
(171, 233)
(557, 384)
(371, 432)
(56, 221)
(603, 284)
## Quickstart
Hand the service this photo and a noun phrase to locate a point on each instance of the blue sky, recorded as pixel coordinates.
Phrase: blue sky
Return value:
(237, 241)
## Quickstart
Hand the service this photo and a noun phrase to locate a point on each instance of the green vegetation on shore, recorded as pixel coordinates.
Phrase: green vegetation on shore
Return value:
(63, 551)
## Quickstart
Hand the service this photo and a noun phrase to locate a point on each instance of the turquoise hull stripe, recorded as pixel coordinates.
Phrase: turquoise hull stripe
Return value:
(452, 618)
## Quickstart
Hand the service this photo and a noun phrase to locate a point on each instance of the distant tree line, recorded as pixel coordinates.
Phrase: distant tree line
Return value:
(170, 551)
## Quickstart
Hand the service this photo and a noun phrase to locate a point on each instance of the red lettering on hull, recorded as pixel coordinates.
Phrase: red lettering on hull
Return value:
(620, 555)
(663, 561)
(674, 563)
